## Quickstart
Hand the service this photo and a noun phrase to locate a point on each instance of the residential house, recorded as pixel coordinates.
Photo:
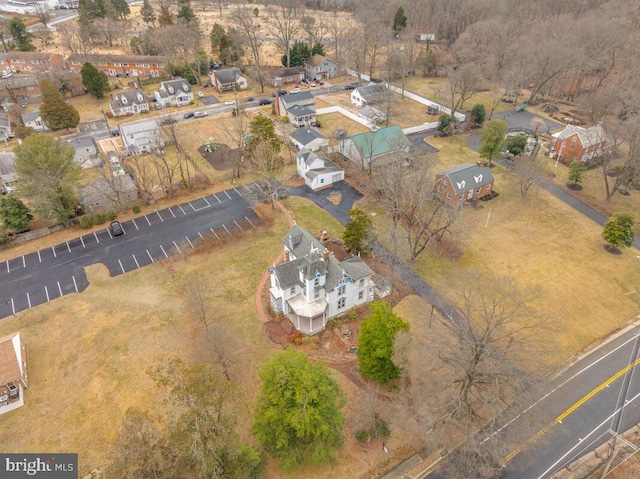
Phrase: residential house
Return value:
(86, 152)
(312, 286)
(317, 172)
(5, 127)
(319, 67)
(34, 120)
(141, 137)
(288, 75)
(308, 138)
(128, 103)
(372, 115)
(8, 175)
(299, 108)
(463, 183)
(121, 65)
(175, 92)
(373, 148)
(13, 372)
(22, 89)
(109, 194)
(228, 79)
(31, 62)
(369, 94)
(576, 143)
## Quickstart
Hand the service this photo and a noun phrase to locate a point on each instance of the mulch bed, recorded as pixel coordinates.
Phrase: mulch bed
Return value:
(222, 158)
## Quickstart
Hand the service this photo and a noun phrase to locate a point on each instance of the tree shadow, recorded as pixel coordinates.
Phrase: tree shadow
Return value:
(612, 250)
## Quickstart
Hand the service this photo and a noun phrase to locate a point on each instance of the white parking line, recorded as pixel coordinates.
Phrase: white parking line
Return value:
(24, 264)
(189, 202)
(109, 233)
(248, 189)
(145, 217)
(158, 213)
(183, 211)
(39, 257)
(165, 253)
(68, 247)
(202, 237)
(225, 228)
(236, 190)
(94, 234)
(8, 271)
(121, 267)
(238, 225)
(46, 290)
(59, 288)
(172, 213)
(54, 253)
(214, 195)
(134, 259)
(74, 283)
(205, 200)
(193, 247)
(134, 223)
(13, 307)
(29, 300)
(218, 237)
(174, 244)
(252, 225)
(225, 192)
(83, 245)
(150, 257)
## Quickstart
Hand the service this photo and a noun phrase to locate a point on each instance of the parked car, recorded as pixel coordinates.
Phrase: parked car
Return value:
(230, 102)
(279, 92)
(200, 94)
(349, 87)
(157, 106)
(312, 83)
(115, 132)
(295, 90)
(188, 114)
(200, 114)
(250, 98)
(316, 124)
(320, 82)
(264, 101)
(116, 228)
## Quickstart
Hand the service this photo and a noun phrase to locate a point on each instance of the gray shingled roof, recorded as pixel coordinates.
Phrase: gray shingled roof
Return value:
(139, 127)
(83, 142)
(372, 93)
(328, 166)
(296, 97)
(18, 82)
(588, 136)
(178, 85)
(300, 110)
(32, 116)
(7, 162)
(306, 135)
(132, 97)
(228, 75)
(466, 177)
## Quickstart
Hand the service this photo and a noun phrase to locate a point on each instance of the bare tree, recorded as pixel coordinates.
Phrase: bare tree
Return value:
(43, 34)
(236, 130)
(227, 347)
(463, 83)
(530, 172)
(142, 171)
(285, 23)
(75, 37)
(183, 42)
(250, 31)
(314, 28)
(197, 289)
(42, 12)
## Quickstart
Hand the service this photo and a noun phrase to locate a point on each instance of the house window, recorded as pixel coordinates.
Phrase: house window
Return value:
(361, 283)
(439, 189)
(316, 282)
(446, 182)
(293, 290)
(341, 290)
(449, 195)
(118, 64)
(321, 180)
(360, 295)
(479, 190)
(575, 138)
(341, 303)
(571, 148)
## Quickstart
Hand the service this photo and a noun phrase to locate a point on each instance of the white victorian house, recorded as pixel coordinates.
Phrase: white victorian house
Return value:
(174, 93)
(312, 286)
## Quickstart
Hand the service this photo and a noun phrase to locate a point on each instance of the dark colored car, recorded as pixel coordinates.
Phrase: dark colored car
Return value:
(316, 124)
(264, 101)
(349, 87)
(189, 114)
(116, 228)
(279, 92)
(115, 132)
(250, 98)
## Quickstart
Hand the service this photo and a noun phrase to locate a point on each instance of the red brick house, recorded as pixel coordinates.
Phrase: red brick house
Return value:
(463, 183)
(121, 65)
(31, 62)
(20, 89)
(13, 372)
(575, 143)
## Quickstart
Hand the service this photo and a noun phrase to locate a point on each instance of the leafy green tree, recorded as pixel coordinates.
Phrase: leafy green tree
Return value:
(478, 114)
(318, 49)
(577, 170)
(256, 12)
(14, 214)
(619, 231)
(515, 144)
(165, 16)
(22, 132)
(375, 346)
(263, 130)
(56, 113)
(493, 137)
(358, 233)
(48, 175)
(223, 45)
(21, 37)
(147, 13)
(186, 12)
(122, 8)
(95, 81)
(300, 52)
(399, 21)
(447, 124)
(298, 414)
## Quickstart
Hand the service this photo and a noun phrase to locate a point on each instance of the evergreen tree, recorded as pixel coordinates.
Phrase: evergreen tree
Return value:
(21, 37)
(165, 17)
(493, 137)
(577, 169)
(399, 21)
(478, 114)
(300, 52)
(358, 234)
(515, 144)
(14, 214)
(122, 8)
(56, 113)
(619, 231)
(147, 13)
(95, 81)
(263, 130)
(318, 49)
(186, 12)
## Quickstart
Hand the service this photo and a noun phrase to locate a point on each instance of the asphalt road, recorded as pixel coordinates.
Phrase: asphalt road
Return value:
(39, 277)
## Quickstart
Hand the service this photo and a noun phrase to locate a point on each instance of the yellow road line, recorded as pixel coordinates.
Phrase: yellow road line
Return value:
(565, 414)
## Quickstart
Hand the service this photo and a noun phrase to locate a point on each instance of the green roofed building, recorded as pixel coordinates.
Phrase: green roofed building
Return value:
(374, 148)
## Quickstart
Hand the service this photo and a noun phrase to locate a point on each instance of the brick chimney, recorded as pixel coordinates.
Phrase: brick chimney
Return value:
(324, 236)
(325, 255)
(287, 257)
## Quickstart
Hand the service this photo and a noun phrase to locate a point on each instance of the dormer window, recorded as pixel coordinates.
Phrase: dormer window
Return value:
(185, 87)
(171, 90)
(124, 100)
(140, 97)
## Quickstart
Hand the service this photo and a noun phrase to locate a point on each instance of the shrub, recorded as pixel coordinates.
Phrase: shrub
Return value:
(136, 209)
(111, 216)
(98, 219)
(86, 222)
(353, 316)
(362, 435)
(380, 427)
(297, 338)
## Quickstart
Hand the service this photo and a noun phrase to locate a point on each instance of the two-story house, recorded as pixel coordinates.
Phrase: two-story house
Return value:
(312, 286)
(299, 108)
(128, 103)
(34, 120)
(463, 183)
(109, 194)
(576, 143)
(13, 372)
(22, 89)
(228, 79)
(141, 137)
(121, 65)
(175, 92)
(316, 171)
(86, 152)
(369, 94)
(374, 148)
(288, 75)
(31, 62)
(319, 67)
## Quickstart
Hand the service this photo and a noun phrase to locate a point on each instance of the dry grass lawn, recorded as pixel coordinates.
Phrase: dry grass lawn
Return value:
(337, 121)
